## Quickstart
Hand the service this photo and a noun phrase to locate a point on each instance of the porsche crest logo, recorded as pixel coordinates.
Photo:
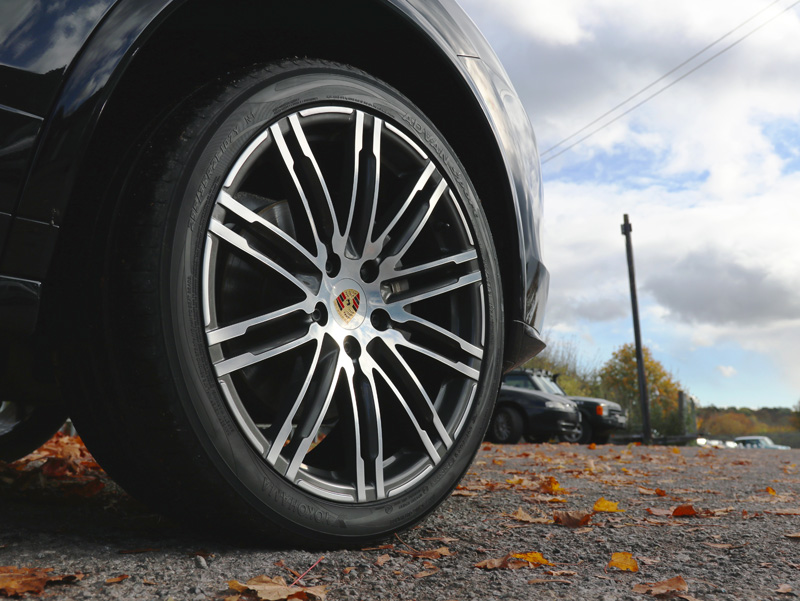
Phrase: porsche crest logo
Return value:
(347, 304)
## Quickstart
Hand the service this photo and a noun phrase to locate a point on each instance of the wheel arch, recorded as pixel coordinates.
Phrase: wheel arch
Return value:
(142, 87)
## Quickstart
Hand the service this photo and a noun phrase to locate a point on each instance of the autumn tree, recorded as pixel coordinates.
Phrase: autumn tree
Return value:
(574, 376)
(619, 382)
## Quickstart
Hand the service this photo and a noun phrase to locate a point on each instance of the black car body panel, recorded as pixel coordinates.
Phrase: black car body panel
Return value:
(57, 101)
(544, 415)
(605, 416)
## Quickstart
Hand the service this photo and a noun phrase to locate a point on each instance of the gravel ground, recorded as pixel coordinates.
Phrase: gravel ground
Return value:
(737, 546)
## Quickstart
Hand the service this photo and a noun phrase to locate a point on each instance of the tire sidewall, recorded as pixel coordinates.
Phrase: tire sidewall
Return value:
(237, 122)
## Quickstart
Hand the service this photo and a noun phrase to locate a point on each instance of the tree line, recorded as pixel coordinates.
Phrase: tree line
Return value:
(616, 380)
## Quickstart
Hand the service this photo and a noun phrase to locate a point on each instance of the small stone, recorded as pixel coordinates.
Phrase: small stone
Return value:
(200, 562)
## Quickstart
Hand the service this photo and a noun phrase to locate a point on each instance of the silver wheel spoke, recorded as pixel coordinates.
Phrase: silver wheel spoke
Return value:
(412, 236)
(289, 162)
(465, 280)
(227, 366)
(233, 205)
(286, 426)
(308, 430)
(235, 330)
(374, 248)
(402, 316)
(231, 237)
(423, 435)
(395, 339)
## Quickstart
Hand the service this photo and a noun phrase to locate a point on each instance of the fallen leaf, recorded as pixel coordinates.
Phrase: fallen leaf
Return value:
(276, 589)
(784, 589)
(548, 581)
(560, 573)
(348, 569)
(572, 519)
(430, 570)
(592, 446)
(673, 585)
(117, 579)
(382, 560)
(793, 535)
(601, 505)
(551, 486)
(523, 516)
(658, 511)
(534, 558)
(661, 493)
(507, 562)
(16, 581)
(676, 450)
(682, 511)
(623, 561)
(771, 491)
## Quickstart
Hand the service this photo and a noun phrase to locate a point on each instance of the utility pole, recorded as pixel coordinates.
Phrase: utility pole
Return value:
(643, 398)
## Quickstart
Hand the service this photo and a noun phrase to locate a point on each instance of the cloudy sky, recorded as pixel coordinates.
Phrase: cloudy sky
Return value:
(708, 170)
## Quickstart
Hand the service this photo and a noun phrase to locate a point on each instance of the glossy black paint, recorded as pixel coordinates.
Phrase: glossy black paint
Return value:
(64, 72)
(540, 421)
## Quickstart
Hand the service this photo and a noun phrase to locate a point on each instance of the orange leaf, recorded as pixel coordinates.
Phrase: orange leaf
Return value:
(794, 535)
(117, 579)
(661, 493)
(771, 491)
(682, 511)
(673, 585)
(16, 581)
(601, 505)
(592, 446)
(382, 560)
(534, 558)
(572, 519)
(430, 570)
(623, 561)
(676, 450)
(551, 486)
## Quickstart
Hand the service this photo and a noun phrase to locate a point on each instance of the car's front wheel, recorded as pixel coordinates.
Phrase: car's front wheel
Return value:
(301, 313)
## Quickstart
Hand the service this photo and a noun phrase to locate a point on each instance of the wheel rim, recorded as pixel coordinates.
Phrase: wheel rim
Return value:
(573, 435)
(344, 304)
(502, 425)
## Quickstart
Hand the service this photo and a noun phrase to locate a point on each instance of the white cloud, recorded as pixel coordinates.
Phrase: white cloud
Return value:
(709, 171)
(726, 370)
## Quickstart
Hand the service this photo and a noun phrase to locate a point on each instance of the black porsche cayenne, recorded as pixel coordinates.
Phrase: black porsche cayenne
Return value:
(271, 257)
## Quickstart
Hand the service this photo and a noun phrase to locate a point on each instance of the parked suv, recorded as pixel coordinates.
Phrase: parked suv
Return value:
(538, 416)
(599, 417)
(273, 293)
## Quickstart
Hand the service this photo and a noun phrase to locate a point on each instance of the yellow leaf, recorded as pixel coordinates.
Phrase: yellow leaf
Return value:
(535, 558)
(606, 506)
(676, 450)
(623, 561)
(771, 491)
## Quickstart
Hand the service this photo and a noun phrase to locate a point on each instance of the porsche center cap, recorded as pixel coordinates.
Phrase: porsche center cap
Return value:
(347, 304)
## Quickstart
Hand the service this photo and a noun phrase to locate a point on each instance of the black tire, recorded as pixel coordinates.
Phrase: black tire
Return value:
(506, 426)
(601, 438)
(25, 427)
(361, 405)
(533, 438)
(582, 434)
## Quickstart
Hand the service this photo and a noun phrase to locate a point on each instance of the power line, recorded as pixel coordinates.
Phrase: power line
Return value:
(669, 85)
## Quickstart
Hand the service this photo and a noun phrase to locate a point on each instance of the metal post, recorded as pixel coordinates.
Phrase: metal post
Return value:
(643, 398)
(682, 411)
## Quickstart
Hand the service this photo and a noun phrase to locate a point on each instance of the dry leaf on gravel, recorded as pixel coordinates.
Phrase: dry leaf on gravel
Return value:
(117, 579)
(535, 558)
(793, 535)
(430, 570)
(521, 515)
(623, 561)
(659, 512)
(572, 519)
(784, 589)
(673, 585)
(513, 561)
(276, 589)
(16, 581)
(684, 511)
(602, 505)
(382, 560)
